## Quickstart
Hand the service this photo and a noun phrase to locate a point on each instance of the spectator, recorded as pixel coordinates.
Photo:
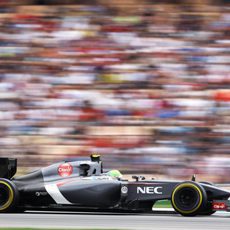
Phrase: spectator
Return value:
(146, 82)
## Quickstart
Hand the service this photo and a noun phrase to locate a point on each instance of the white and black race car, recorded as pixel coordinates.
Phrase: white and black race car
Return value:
(82, 185)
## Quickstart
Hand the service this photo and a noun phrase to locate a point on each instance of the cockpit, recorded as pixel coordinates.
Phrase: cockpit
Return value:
(89, 168)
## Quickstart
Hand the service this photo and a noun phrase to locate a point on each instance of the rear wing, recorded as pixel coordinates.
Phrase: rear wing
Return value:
(8, 167)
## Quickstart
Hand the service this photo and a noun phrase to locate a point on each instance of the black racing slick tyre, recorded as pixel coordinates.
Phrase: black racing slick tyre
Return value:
(207, 211)
(8, 196)
(189, 198)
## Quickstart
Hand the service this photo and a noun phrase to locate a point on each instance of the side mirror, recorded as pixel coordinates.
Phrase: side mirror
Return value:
(137, 178)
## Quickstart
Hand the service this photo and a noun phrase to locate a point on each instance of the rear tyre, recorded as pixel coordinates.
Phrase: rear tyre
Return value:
(189, 198)
(8, 196)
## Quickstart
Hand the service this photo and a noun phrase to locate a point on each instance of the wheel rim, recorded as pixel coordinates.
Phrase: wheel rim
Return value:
(187, 199)
(4, 195)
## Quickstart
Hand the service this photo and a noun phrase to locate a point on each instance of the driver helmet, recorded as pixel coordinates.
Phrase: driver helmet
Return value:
(115, 173)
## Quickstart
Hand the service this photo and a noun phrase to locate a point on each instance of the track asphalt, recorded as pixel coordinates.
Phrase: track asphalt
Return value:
(156, 220)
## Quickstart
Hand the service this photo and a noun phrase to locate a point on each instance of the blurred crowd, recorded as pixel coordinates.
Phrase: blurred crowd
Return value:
(144, 83)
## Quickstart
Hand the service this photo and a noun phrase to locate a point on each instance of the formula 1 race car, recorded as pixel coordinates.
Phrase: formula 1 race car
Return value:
(82, 185)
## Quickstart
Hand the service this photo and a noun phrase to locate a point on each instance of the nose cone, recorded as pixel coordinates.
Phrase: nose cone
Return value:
(214, 192)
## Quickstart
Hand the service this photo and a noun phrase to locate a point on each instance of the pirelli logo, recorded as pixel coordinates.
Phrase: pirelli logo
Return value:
(149, 190)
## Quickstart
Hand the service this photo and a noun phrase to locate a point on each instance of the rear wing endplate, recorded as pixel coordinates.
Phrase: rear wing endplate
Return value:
(8, 167)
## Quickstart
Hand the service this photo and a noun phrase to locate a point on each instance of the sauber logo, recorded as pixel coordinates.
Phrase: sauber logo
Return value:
(65, 170)
(149, 190)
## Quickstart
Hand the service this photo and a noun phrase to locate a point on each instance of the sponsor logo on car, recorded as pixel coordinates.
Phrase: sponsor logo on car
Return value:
(124, 189)
(219, 206)
(149, 190)
(65, 170)
(41, 193)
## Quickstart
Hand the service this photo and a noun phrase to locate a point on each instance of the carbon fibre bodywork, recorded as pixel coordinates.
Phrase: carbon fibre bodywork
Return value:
(83, 185)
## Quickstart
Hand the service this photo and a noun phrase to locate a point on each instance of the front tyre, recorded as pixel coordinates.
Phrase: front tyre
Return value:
(207, 211)
(8, 196)
(188, 198)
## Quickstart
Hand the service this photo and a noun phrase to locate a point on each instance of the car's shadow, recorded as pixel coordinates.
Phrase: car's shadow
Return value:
(97, 213)
(110, 213)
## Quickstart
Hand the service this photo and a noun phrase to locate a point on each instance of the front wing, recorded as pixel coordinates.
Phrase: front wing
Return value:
(221, 205)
